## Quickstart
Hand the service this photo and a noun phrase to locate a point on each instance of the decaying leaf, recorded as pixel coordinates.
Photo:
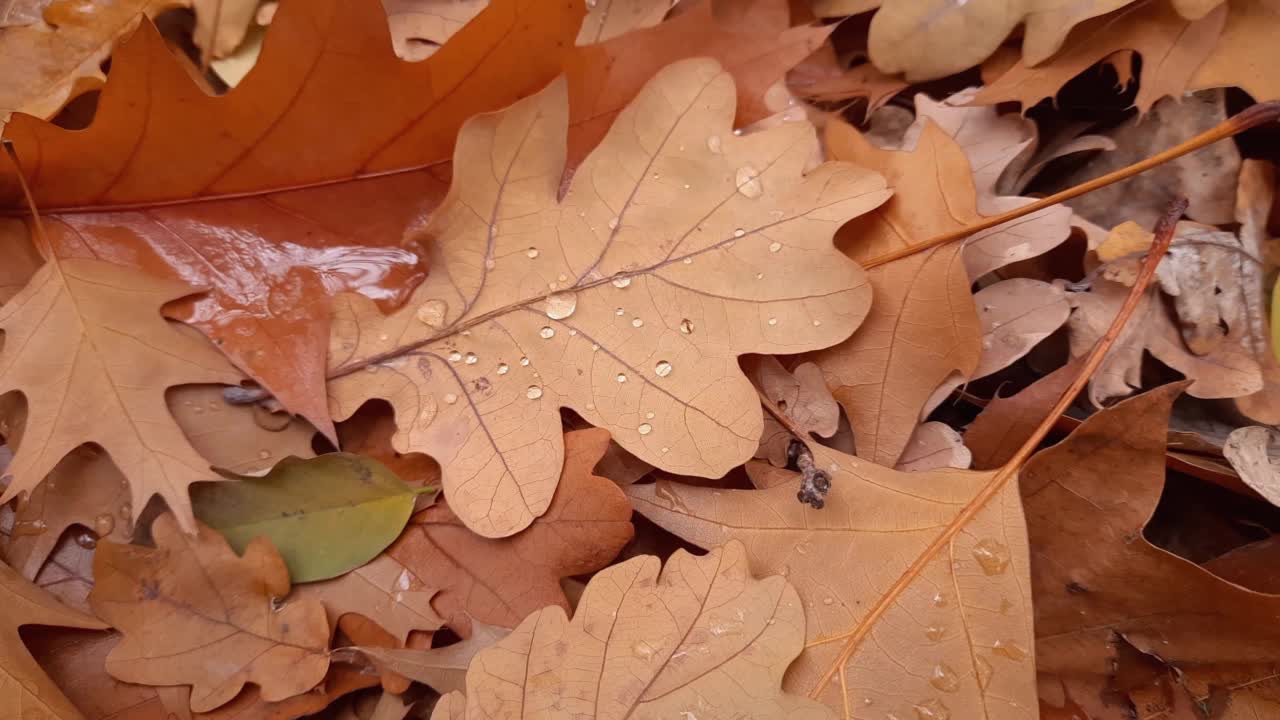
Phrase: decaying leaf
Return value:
(1248, 451)
(628, 301)
(86, 345)
(802, 394)
(28, 693)
(325, 515)
(915, 585)
(703, 637)
(87, 489)
(500, 581)
(383, 590)
(1173, 47)
(58, 56)
(1016, 314)
(443, 669)
(1095, 576)
(193, 613)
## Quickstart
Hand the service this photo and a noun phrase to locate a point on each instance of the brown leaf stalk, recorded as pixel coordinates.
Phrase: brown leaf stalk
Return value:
(1255, 116)
(1164, 235)
(41, 239)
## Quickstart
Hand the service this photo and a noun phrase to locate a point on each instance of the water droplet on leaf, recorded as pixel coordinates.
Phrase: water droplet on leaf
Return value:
(547, 332)
(533, 393)
(644, 429)
(431, 313)
(748, 181)
(992, 555)
(944, 678)
(562, 305)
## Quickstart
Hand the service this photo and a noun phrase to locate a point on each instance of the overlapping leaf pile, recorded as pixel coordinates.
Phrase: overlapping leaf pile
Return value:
(402, 378)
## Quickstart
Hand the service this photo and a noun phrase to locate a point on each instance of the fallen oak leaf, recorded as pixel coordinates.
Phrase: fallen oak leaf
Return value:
(325, 515)
(86, 345)
(87, 489)
(1016, 314)
(59, 55)
(1248, 451)
(241, 211)
(1242, 57)
(1153, 29)
(1095, 576)
(443, 669)
(221, 626)
(602, 302)
(1005, 423)
(703, 636)
(383, 590)
(934, 445)
(933, 631)
(30, 694)
(498, 581)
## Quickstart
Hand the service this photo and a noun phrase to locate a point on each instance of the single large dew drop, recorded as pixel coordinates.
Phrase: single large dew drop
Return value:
(714, 144)
(533, 393)
(622, 281)
(546, 333)
(561, 305)
(644, 429)
(431, 313)
(748, 181)
(992, 556)
(662, 369)
(944, 678)
(932, 710)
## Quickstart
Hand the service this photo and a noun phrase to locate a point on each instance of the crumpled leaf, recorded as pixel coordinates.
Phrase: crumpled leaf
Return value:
(230, 191)
(1153, 29)
(1247, 449)
(703, 637)
(383, 590)
(86, 345)
(59, 56)
(604, 302)
(499, 581)
(915, 585)
(87, 489)
(194, 613)
(1096, 576)
(800, 393)
(28, 693)
(444, 669)
(325, 515)
(1016, 314)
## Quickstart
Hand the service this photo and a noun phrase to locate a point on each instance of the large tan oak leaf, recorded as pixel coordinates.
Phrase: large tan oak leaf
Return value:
(194, 613)
(26, 693)
(701, 639)
(678, 247)
(916, 585)
(86, 345)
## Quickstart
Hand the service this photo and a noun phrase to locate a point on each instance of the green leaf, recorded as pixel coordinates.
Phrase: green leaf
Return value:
(326, 515)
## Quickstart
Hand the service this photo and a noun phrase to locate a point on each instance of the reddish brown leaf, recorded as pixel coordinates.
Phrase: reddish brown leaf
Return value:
(499, 581)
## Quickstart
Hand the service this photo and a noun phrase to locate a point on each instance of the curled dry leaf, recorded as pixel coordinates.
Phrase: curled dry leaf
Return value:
(1094, 574)
(702, 638)
(1248, 451)
(59, 55)
(802, 394)
(1227, 373)
(500, 581)
(938, 623)
(87, 489)
(932, 446)
(28, 693)
(325, 515)
(444, 669)
(86, 345)
(629, 301)
(1153, 29)
(193, 613)
(1016, 314)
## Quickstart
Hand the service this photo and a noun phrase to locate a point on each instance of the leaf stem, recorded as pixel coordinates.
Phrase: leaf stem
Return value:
(1255, 116)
